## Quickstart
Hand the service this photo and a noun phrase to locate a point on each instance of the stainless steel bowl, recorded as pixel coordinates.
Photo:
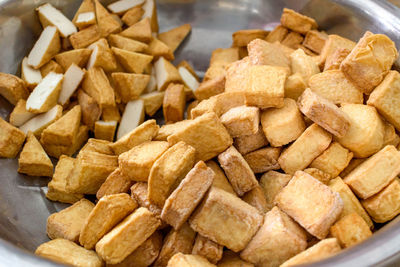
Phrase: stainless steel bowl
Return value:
(23, 206)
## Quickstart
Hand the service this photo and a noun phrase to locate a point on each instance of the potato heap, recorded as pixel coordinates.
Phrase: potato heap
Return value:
(287, 154)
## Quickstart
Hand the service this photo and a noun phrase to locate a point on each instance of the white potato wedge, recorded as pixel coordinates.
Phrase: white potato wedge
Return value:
(47, 46)
(166, 73)
(133, 116)
(72, 78)
(121, 6)
(39, 123)
(31, 76)
(150, 11)
(49, 15)
(85, 19)
(188, 79)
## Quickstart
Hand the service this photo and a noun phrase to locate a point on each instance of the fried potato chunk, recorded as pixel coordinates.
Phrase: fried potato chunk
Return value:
(241, 120)
(315, 40)
(264, 159)
(333, 43)
(114, 184)
(219, 104)
(210, 88)
(12, 88)
(303, 192)
(97, 85)
(303, 64)
(189, 260)
(234, 221)
(11, 140)
(277, 34)
(207, 248)
(67, 224)
(248, 143)
(256, 198)
(297, 22)
(265, 53)
(174, 103)
(220, 180)
(174, 37)
(321, 176)
(271, 184)
(350, 230)
(337, 57)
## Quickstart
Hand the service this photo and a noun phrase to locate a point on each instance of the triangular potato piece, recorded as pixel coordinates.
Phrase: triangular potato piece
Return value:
(85, 37)
(63, 131)
(86, 6)
(91, 110)
(166, 73)
(107, 24)
(159, 49)
(132, 61)
(20, 115)
(97, 85)
(130, 86)
(126, 43)
(133, 116)
(152, 102)
(102, 56)
(174, 37)
(51, 66)
(33, 160)
(150, 11)
(47, 46)
(78, 56)
(133, 15)
(31, 76)
(49, 15)
(140, 31)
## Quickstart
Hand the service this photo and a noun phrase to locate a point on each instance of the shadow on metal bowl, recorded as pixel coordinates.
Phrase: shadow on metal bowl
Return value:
(23, 206)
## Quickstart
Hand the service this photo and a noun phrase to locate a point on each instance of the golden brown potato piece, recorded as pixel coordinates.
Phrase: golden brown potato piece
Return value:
(311, 143)
(174, 103)
(391, 137)
(294, 86)
(102, 56)
(315, 40)
(140, 31)
(334, 86)
(282, 125)
(237, 170)
(350, 230)
(67, 224)
(152, 102)
(214, 138)
(248, 143)
(176, 241)
(297, 22)
(321, 176)
(126, 43)
(366, 133)
(271, 184)
(85, 37)
(86, 6)
(277, 240)
(109, 211)
(244, 37)
(33, 160)
(114, 184)
(210, 88)
(220, 179)
(292, 40)
(105, 130)
(277, 34)
(67, 252)
(333, 43)
(369, 61)
(337, 57)
(234, 221)
(256, 198)
(12, 88)
(139, 192)
(241, 120)
(78, 56)
(219, 104)
(105, 21)
(207, 248)
(264, 159)
(133, 15)
(166, 73)
(231, 259)
(220, 59)
(303, 192)
(90, 109)
(189, 260)
(303, 64)
(96, 145)
(130, 85)
(57, 186)
(131, 61)
(11, 140)
(97, 85)
(323, 249)
(20, 115)
(184, 199)
(128, 235)
(265, 53)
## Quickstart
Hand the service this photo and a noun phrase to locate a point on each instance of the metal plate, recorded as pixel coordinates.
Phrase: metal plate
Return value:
(23, 206)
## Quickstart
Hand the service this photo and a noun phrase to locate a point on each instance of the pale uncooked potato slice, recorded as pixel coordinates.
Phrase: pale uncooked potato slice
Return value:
(166, 73)
(122, 6)
(72, 78)
(47, 46)
(38, 123)
(31, 76)
(188, 79)
(49, 15)
(133, 116)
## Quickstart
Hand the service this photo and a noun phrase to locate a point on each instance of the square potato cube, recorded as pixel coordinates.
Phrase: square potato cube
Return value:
(244, 37)
(174, 103)
(277, 240)
(207, 248)
(311, 143)
(386, 99)
(231, 259)
(391, 137)
(168, 129)
(282, 125)
(114, 184)
(248, 143)
(11, 140)
(321, 176)
(57, 190)
(323, 112)
(97, 145)
(264, 159)
(337, 57)
(333, 160)
(369, 61)
(109, 211)
(277, 34)
(210, 88)
(220, 179)
(323, 249)
(294, 86)
(241, 120)
(184, 199)
(219, 104)
(176, 241)
(105, 130)
(237, 170)
(265, 53)
(206, 134)
(233, 224)
(375, 173)
(297, 22)
(293, 39)
(333, 43)
(137, 162)
(315, 40)
(182, 260)
(256, 198)
(303, 64)
(384, 206)
(67, 224)
(67, 252)
(139, 192)
(128, 235)
(350, 230)
(168, 171)
(271, 184)
(311, 203)
(236, 75)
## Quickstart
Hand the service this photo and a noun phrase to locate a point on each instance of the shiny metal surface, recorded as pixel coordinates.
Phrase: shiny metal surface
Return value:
(23, 206)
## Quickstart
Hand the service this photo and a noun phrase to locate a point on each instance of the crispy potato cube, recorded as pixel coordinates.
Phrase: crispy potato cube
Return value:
(350, 230)
(67, 224)
(264, 159)
(139, 192)
(140, 31)
(220, 179)
(144, 132)
(323, 249)
(256, 198)
(231, 259)
(207, 248)
(327, 205)
(137, 162)
(90, 109)
(384, 206)
(128, 235)
(105, 130)
(366, 133)
(166, 73)
(38, 123)
(11, 140)
(125, 43)
(237, 170)
(333, 160)
(297, 22)
(85, 37)
(265, 53)
(111, 114)
(105, 21)
(133, 62)
(321, 176)
(109, 211)
(133, 15)
(228, 227)
(114, 184)
(337, 57)
(174, 37)
(241, 120)
(176, 241)
(369, 61)
(248, 143)
(244, 37)
(67, 252)
(375, 173)
(324, 113)
(271, 184)
(130, 85)
(168, 129)
(293, 40)
(47, 46)
(277, 34)
(152, 102)
(303, 64)
(294, 86)
(282, 125)
(214, 138)
(315, 40)
(97, 85)
(20, 115)
(174, 103)
(210, 88)
(277, 240)
(333, 43)
(189, 260)
(219, 104)
(97, 145)
(334, 86)
(33, 160)
(78, 56)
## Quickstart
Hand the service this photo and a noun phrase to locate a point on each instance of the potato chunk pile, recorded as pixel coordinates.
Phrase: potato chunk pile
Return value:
(287, 154)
